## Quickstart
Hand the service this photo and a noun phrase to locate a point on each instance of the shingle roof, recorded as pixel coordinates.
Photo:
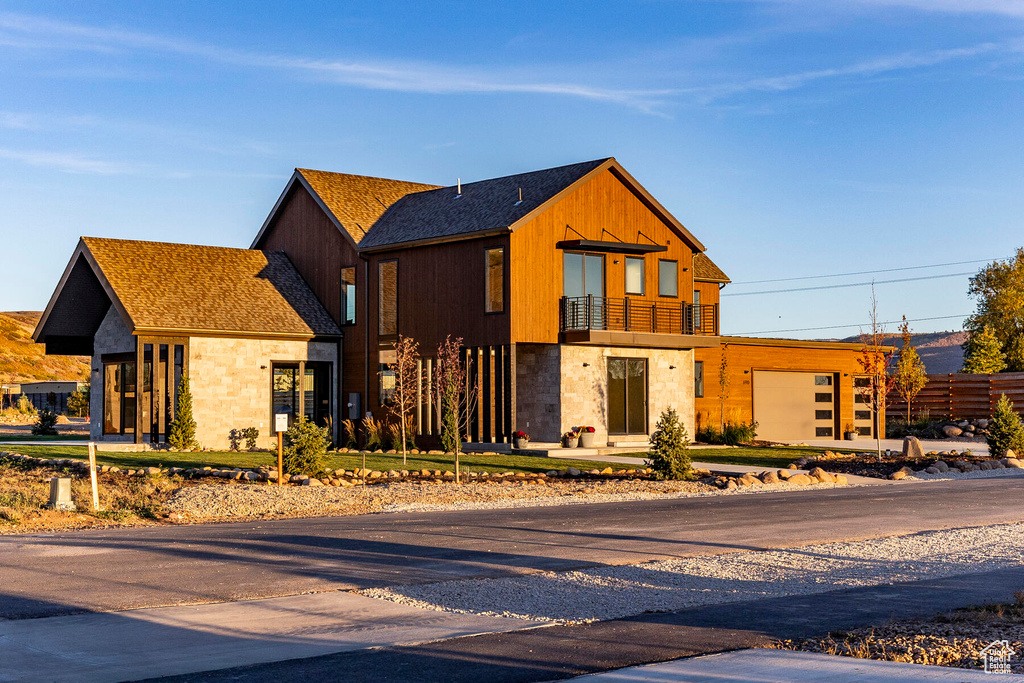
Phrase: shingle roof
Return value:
(483, 205)
(165, 286)
(705, 269)
(358, 201)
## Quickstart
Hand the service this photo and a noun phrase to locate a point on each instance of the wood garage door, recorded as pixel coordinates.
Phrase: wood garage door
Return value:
(794, 405)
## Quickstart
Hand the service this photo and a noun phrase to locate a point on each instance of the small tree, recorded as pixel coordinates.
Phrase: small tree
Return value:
(25, 406)
(306, 447)
(78, 402)
(182, 433)
(723, 383)
(406, 395)
(1005, 430)
(910, 377)
(46, 423)
(452, 395)
(875, 362)
(983, 354)
(670, 455)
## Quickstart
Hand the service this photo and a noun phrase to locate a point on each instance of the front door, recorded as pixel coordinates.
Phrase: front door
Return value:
(627, 396)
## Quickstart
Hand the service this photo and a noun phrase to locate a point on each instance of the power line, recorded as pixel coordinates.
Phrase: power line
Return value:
(836, 327)
(849, 284)
(862, 272)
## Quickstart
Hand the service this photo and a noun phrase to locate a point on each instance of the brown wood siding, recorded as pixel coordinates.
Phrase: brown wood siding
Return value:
(709, 292)
(319, 251)
(744, 360)
(602, 204)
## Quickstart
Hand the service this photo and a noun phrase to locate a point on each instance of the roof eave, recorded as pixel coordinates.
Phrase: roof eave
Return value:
(247, 334)
(460, 237)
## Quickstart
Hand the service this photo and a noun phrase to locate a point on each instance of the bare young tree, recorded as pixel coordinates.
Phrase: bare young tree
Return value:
(723, 384)
(875, 362)
(452, 395)
(408, 378)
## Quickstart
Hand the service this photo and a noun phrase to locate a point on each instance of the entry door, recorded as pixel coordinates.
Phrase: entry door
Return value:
(627, 396)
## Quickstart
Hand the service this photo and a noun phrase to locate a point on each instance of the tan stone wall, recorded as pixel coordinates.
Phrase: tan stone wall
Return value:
(230, 382)
(556, 391)
(112, 336)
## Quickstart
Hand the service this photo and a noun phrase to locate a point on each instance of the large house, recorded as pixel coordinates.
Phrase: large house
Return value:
(578, 297)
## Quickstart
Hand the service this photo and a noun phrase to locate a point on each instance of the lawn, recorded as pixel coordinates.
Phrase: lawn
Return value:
(349, 461)
(28, 438)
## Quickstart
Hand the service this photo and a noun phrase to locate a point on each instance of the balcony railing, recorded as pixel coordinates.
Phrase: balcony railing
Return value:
(578, 313)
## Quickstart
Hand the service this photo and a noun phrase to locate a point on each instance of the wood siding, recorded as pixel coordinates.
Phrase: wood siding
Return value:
(961, 396)
(601, 209)
(743, 360)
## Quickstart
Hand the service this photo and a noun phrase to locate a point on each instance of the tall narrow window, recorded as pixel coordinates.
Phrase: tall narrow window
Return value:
(698, 378)
(634, 275)
(697, 317)
(668, 278)
(494, 280)
(348, 295)
(387, 271)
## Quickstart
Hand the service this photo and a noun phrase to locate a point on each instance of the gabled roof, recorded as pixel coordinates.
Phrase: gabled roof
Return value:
(192, 289)
(706, 270)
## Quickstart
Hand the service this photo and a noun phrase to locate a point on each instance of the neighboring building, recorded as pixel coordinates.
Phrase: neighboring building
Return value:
(9, 394)
(579, 299)
(52, 395)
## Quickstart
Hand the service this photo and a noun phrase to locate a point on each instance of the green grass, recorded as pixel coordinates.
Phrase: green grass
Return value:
(349, 461)
(32, 437)
(777, 457)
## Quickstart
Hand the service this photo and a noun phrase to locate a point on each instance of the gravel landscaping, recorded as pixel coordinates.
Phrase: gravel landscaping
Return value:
(612, 592)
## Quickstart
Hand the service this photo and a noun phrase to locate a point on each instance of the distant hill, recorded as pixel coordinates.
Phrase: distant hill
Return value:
(940, 351)
(22, 360)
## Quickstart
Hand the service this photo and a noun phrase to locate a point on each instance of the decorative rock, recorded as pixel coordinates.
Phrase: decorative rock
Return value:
(1010, 453)
(731, 484)
(1014, 463)
(932, 470)
(792, 466)
(769, 478)
(784, 474)
(822, 476)
(983, 423)
(912, 448)
(252, 476)
(841, 480)
(572, 472)
(952, 431)
(801, 480)
(897, 475)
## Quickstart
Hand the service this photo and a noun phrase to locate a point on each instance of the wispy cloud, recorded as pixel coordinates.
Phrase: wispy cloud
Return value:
(66, 162)
(1011, 8)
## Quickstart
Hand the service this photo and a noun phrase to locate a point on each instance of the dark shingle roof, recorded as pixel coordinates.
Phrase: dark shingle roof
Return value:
(483, 205)
(165, 286)
(705, 269)
(358, 201)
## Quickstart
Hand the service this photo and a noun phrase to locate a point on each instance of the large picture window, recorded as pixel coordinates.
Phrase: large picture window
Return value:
(348, 295)
(119, 397)
(634, 275)
(387, 324)
(494, 280)
(668, 278)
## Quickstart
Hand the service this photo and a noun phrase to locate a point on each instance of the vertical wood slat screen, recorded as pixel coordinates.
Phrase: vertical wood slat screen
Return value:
(961, 396)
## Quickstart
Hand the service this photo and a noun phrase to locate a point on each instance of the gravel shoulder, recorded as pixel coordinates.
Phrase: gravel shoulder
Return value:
(620, 591)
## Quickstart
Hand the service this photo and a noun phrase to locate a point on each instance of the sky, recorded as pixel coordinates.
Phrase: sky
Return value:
(794, 138)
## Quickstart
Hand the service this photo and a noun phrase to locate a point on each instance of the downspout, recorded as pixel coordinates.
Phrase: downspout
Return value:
(366, 334)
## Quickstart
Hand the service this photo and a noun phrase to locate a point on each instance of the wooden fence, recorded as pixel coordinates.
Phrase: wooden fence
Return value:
(961, 396)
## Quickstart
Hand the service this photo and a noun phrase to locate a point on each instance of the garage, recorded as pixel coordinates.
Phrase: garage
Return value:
(795, 405)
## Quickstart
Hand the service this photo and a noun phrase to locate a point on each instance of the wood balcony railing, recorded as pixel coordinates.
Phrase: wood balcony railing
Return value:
(636, 315)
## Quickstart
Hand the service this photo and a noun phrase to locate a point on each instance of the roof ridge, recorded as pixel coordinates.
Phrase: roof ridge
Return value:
(367, 177)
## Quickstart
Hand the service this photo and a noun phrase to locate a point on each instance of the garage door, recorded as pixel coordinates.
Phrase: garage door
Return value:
(794, 405)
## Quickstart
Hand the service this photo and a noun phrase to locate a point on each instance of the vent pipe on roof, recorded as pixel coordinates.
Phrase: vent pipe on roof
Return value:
(520, 197)
(458, 186)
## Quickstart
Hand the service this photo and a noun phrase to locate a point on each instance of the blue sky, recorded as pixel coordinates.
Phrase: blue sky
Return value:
(794, 138)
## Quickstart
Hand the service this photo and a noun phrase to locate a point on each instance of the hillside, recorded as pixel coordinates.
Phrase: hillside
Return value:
(940, 351)
(22, 360)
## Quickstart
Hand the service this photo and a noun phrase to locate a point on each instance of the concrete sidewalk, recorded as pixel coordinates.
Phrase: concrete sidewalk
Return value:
(167, 641)
(783, 665)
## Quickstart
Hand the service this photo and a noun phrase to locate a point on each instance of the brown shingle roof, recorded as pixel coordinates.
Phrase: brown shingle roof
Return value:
(358, 201)
(705, 269)
(187, 287)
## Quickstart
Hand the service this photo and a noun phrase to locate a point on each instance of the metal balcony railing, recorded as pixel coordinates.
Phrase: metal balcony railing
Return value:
(578, 313)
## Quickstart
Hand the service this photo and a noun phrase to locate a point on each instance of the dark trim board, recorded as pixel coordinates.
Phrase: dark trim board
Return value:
(608, 247)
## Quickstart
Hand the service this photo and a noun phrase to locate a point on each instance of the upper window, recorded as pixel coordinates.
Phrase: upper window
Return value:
(348, 295)
(823, 380)
(494, 280)
(387, 272)
(668, 278)
(634, 275)
(582, 274)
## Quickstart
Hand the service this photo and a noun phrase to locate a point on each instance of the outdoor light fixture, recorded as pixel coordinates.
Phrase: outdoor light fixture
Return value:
(671, 367)
(586, 365)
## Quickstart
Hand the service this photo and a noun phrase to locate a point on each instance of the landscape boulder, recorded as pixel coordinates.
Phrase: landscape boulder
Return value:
(822, 476)
(769, 478)
(801, 480)
(1015, 463)
(912, 448)
(952, 431)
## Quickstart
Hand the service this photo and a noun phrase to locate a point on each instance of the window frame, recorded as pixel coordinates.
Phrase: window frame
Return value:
(343, 303)
(675, 263)
(380, 299)
(643, 276)
(698, 389)
(504, 280)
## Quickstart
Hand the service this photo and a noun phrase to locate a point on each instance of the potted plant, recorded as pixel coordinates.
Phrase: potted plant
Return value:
(520, 439)
(586, 433)
(850, 432)
(570, 439)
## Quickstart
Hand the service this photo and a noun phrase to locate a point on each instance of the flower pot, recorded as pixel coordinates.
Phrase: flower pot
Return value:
(520, 443)
(587, 440)
(569, 443)
(850, 436)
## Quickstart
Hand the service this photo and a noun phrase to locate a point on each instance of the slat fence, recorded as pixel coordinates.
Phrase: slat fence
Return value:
(960, 396)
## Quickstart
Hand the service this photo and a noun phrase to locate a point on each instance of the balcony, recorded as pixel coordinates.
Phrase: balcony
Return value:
(637, 322)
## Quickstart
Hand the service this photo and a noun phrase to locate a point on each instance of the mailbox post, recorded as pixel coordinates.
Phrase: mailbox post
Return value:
(280, 426)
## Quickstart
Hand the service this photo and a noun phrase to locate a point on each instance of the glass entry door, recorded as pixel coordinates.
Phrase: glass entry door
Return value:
(583, 287)
(627, 396)
(305, 391)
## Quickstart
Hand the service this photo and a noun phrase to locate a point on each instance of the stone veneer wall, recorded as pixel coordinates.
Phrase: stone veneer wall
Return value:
(112, 336)
(556, 392)
(231, 391)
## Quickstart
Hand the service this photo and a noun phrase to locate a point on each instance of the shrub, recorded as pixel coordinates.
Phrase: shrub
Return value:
(670, 457)
(251, 434)
(46, 423)
(1005, 431)
(350, 433)
(182, 433)
(235, 439)
(373, 433)
(735, 433)
(305, 447)
(395, 435)
(25, 406)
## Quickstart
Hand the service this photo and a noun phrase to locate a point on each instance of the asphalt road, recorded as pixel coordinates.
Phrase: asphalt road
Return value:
(51, 574)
